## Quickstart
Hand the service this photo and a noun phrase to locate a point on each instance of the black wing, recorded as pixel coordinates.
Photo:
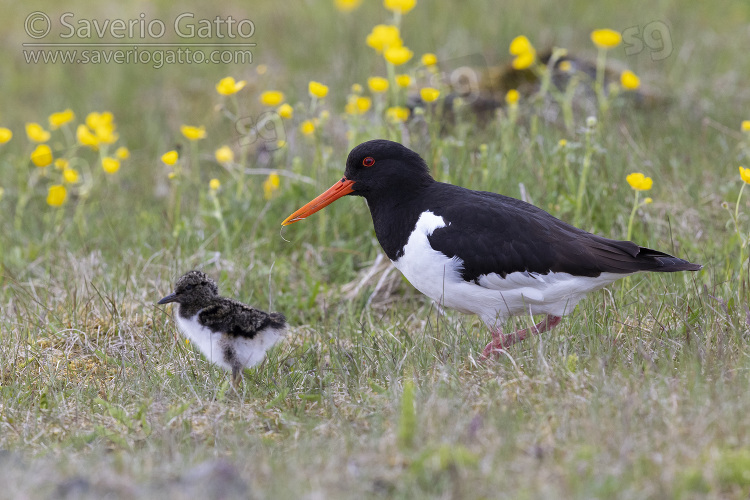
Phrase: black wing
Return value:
(237, 319)
(492, 233)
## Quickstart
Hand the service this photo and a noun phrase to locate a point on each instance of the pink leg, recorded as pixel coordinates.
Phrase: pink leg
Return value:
(502, 341)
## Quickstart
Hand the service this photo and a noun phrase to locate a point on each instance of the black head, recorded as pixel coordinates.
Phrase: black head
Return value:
(377, 170)
(380, 165)
(193, 287)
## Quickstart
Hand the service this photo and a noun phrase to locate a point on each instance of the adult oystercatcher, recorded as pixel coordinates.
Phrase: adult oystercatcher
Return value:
(480, 252)
(228, 332)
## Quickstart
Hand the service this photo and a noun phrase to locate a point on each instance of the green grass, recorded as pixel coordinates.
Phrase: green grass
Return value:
(640, 393)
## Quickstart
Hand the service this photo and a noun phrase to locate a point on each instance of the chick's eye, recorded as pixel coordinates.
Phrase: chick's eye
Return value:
(369, 161)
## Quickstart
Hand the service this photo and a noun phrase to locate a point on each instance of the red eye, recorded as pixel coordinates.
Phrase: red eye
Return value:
(369, 161)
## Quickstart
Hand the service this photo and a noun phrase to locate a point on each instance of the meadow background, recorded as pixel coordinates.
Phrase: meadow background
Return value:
(641, 393)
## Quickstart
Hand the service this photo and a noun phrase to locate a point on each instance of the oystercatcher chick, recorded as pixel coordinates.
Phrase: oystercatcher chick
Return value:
(480, 252)
(229, 333)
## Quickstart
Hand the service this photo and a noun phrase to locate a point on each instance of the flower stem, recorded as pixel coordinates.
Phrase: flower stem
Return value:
(632, 215)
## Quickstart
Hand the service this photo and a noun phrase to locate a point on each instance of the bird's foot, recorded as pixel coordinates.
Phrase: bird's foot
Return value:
(236, 377)
(501, 341)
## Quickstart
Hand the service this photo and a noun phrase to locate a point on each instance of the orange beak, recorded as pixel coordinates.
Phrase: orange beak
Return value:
(341, 188)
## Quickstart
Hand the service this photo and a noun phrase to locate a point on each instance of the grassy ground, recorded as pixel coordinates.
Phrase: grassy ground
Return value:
(640, 393)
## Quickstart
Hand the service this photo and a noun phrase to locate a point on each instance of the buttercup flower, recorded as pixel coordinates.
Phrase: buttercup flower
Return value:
(384, 36)
(214, 184)
(271, 185)
(512, 97)
(565, 66)
(639, 182)
(170, 157)
(122, 153)
(357, 88)
(271, 98)
(377, 84)
(403, 80)
(6, 134)
(86, 138)
(357, 105)
(606, 38)
(402, 6)
(307, 127)
(629, 80)
(347, 5)
(745, 128)
(70, 175)
(57, 120)
(110, 165)
(224, 155)
(562, 143)
(193, 133)
(397, 55)
(61, 164)
(56, 195)
(745, 174)
(397, 114)
(317, 89)
(41, 156)
(429, 94)
(285, 111)
(36, 133)
(227, 86)
(525, 53)
(103, 127)
(429, 59)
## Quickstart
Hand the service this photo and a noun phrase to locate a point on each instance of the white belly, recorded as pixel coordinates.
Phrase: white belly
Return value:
(249, 352)
(495, 298)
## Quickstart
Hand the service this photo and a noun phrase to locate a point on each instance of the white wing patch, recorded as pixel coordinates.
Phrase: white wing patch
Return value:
(495, 298)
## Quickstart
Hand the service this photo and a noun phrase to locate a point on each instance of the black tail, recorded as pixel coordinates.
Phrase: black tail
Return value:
(661, 262)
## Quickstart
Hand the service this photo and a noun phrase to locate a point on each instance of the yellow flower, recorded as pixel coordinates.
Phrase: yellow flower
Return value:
(317, 89)
(285, 111)
(745, 128)
(271, 98)
(520, 45)
(172, 175)
(307, 127)
(57, 120)
(648, 201)
(86, 137)
(565, 66)
(397, 55)
(41, 156)
(397, 114)
(745, 174)
(384, 36)
(271, 185)
(110, 165)
(347, 5)
(56, 195)
(629, 80)
(36, 133)
(357, 88)
(402, 6)
(429, 94)
(122, 153)
(377, 84)
(170, 157)
(95, 120)
(357, 105)
(214, 184)
(429, 59)
(102, 129)
(280, 143)
(224, 155)
(639, 182)
(61, 164)
(193, 133)
(403, 80)
(606, 38)
(524, 60)
(512, 97)
(562, 143)
(6, 134)
(70, 175)
(227, 86)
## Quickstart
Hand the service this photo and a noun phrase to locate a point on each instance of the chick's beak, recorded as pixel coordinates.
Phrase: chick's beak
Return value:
(341, 188)
(172, 297)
